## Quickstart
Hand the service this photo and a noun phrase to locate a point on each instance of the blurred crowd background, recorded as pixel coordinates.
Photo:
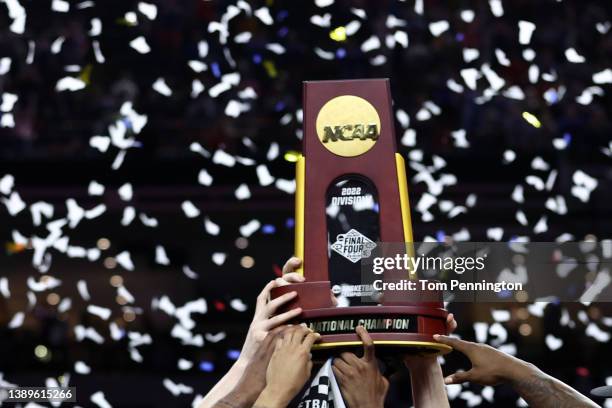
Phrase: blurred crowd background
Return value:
(199, 194)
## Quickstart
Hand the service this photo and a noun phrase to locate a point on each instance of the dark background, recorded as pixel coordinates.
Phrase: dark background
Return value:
(48, 153)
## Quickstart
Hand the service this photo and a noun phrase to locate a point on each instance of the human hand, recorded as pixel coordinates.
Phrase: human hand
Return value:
(489, 366)
(361, 382)
(253, 379)
(289, 275)
(289, 367)
(264, 319)
(293, 277)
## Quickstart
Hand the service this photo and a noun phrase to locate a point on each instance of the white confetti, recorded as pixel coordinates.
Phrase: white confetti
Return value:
(83, 291)
(535, 181)
(467, 15)
(584, 185)
(218, 258)
(4, 287)
(480, 330)
(205, 178)
(526, 29)
(594, 331)
(190, 210)
(409, 137)
(246, 36)
(8, 101)
(211, 227)
(224, 159)
(235, 108)
(603, 77)
(497, 9)
(81, 368)
(56, 46)
(149, 10)
(160, 86)
(129, 213)
(125, 294)
(102, 312)
(69, 84)
(470, 54)
(470, 76)
(148, 221)
(514, 92)
(197, 66)
(7, 182)
(39, 209)
(263, 14)
(521, 217)
(572, 56)
(197, 87)
(17, 320)
(140, 45)
(263, 175)
(326, 55)
(125, 260)
(288, 186)
(95, 188)
(459, 138)
(517, 194)
(495, 233)
(454, 86)
(276, 48)
(249, 228)
(418, 7)
(64, 305)
(238, 305)
(242, 192)
(160, 256)
(539, 164)
(501, 315)
(370, 44)
(541, 226)
(324, 3)
(501, 57)
(184, 365)
(14, 204)
(215, 338)
(60, 6)
(495, 80)
(99, 399)
(528, 54)
(126, 192)
(177, 388)
(189, 272)
(438, 27)
(553, 343)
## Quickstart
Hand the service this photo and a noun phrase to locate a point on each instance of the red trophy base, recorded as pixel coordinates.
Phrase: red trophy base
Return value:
(395, 323)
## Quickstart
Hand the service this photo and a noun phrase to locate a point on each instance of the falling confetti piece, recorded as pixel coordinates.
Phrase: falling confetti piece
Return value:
(438, 27)
(140, 45)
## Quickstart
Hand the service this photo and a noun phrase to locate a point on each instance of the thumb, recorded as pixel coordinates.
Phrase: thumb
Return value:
(458, 378)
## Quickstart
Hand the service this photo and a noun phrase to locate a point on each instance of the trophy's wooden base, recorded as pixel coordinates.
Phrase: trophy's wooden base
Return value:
(396, 323)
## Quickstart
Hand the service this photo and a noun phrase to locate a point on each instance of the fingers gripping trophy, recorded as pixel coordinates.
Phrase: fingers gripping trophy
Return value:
(351, 197)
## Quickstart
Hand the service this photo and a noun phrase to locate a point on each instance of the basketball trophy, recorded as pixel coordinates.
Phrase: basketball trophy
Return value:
(351, 195)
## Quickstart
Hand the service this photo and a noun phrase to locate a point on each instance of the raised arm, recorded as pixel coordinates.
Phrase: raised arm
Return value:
(491, 367)
(263, 322)
(428, 390)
